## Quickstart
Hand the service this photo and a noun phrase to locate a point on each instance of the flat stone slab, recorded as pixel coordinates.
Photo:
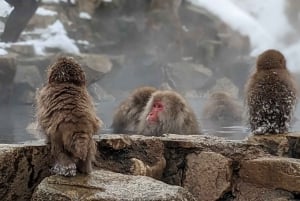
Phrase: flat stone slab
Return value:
(273, 172)
(105, 185)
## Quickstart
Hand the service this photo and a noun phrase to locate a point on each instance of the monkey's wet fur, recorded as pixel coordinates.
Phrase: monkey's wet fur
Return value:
(67, 116)
(271, 95)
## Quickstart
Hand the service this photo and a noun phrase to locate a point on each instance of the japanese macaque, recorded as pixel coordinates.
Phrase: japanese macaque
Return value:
(270, 95)
(126, 117)
(221, 108)
(167, 112)
(66, 114)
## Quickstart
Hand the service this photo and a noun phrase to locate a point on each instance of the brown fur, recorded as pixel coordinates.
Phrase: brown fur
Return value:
(66, 114)
(126, 117)
(221, 108)
(271, 95)
(177, 116)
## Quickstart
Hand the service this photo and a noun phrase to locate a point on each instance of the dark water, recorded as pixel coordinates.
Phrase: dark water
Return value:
(14, 123)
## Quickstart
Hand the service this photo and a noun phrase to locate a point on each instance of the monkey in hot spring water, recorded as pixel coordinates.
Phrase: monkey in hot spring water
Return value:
(271, 95)
(167, 112)
(66, 114)
(222, 109)
(126, 116)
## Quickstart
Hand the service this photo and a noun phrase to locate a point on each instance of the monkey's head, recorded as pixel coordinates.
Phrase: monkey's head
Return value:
(142, 95)
(66, 70)
(271, 59)
(164, 106)
(219, 96)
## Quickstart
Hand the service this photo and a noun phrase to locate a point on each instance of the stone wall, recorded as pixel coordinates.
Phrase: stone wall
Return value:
(208, 168)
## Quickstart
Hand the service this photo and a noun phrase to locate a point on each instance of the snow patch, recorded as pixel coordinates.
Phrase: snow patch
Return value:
(84, 15)
(45, 12)
(55, 36)
(5, 9)
(3, 51)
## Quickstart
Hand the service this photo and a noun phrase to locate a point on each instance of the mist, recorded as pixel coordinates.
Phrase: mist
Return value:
(195, 47)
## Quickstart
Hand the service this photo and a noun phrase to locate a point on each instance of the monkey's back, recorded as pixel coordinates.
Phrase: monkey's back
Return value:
(271, 100)
(60, 104)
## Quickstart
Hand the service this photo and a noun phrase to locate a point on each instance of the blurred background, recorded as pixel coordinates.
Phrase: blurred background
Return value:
(195, 47)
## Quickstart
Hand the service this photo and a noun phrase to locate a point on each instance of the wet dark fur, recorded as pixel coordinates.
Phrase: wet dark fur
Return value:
(222, 109)
(177, 117)
(270, 95)
(66, 114)
(126, 117)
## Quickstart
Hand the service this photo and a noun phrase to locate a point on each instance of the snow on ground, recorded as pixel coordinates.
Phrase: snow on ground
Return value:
(54, 36)
(3, 52)
(263, 21)
(5, 8)
(84, 15)
(271, 18)
(57, 1)
(45, 12)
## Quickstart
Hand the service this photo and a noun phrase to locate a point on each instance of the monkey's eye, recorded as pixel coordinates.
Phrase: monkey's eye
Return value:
(158, 105)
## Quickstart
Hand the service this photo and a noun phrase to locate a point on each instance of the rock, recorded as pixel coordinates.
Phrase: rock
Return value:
(8, 70)
(22, 168)
(23, 49)
(27, 80)
(209, 143)
(105, 185)
(138, 157)
(186, 76)
(249, 192)
(225, 84)
(294, 145)
(99, 94)
(276, 144)
(207, 166)
(30, 75)
(45, 18)
(88, 6)
(208, 175)
(272, 172)
(95, 66)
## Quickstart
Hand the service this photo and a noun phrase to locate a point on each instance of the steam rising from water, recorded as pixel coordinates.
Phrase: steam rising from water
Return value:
(264, 22)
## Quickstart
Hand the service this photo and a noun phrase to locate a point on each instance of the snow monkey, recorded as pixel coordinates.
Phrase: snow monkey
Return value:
(222, 109)
(271, 95)
(126, 117)
(167, 112)
(66, 114)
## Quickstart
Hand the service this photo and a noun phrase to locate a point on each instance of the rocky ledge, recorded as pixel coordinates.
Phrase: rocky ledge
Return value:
(188, 167)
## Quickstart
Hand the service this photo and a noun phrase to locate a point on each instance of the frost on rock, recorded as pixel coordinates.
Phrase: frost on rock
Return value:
(68, 171)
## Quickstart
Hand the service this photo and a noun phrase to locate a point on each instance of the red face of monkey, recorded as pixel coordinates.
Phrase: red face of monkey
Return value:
(153, 116)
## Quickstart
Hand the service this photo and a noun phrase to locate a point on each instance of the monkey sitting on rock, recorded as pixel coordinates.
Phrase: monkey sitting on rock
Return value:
(271, 95)
(66, 114)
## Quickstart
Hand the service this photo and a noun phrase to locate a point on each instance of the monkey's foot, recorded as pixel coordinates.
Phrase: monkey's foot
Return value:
(64, 170)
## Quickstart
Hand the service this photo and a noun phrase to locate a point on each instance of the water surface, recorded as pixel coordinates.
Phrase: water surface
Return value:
(15, 119)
